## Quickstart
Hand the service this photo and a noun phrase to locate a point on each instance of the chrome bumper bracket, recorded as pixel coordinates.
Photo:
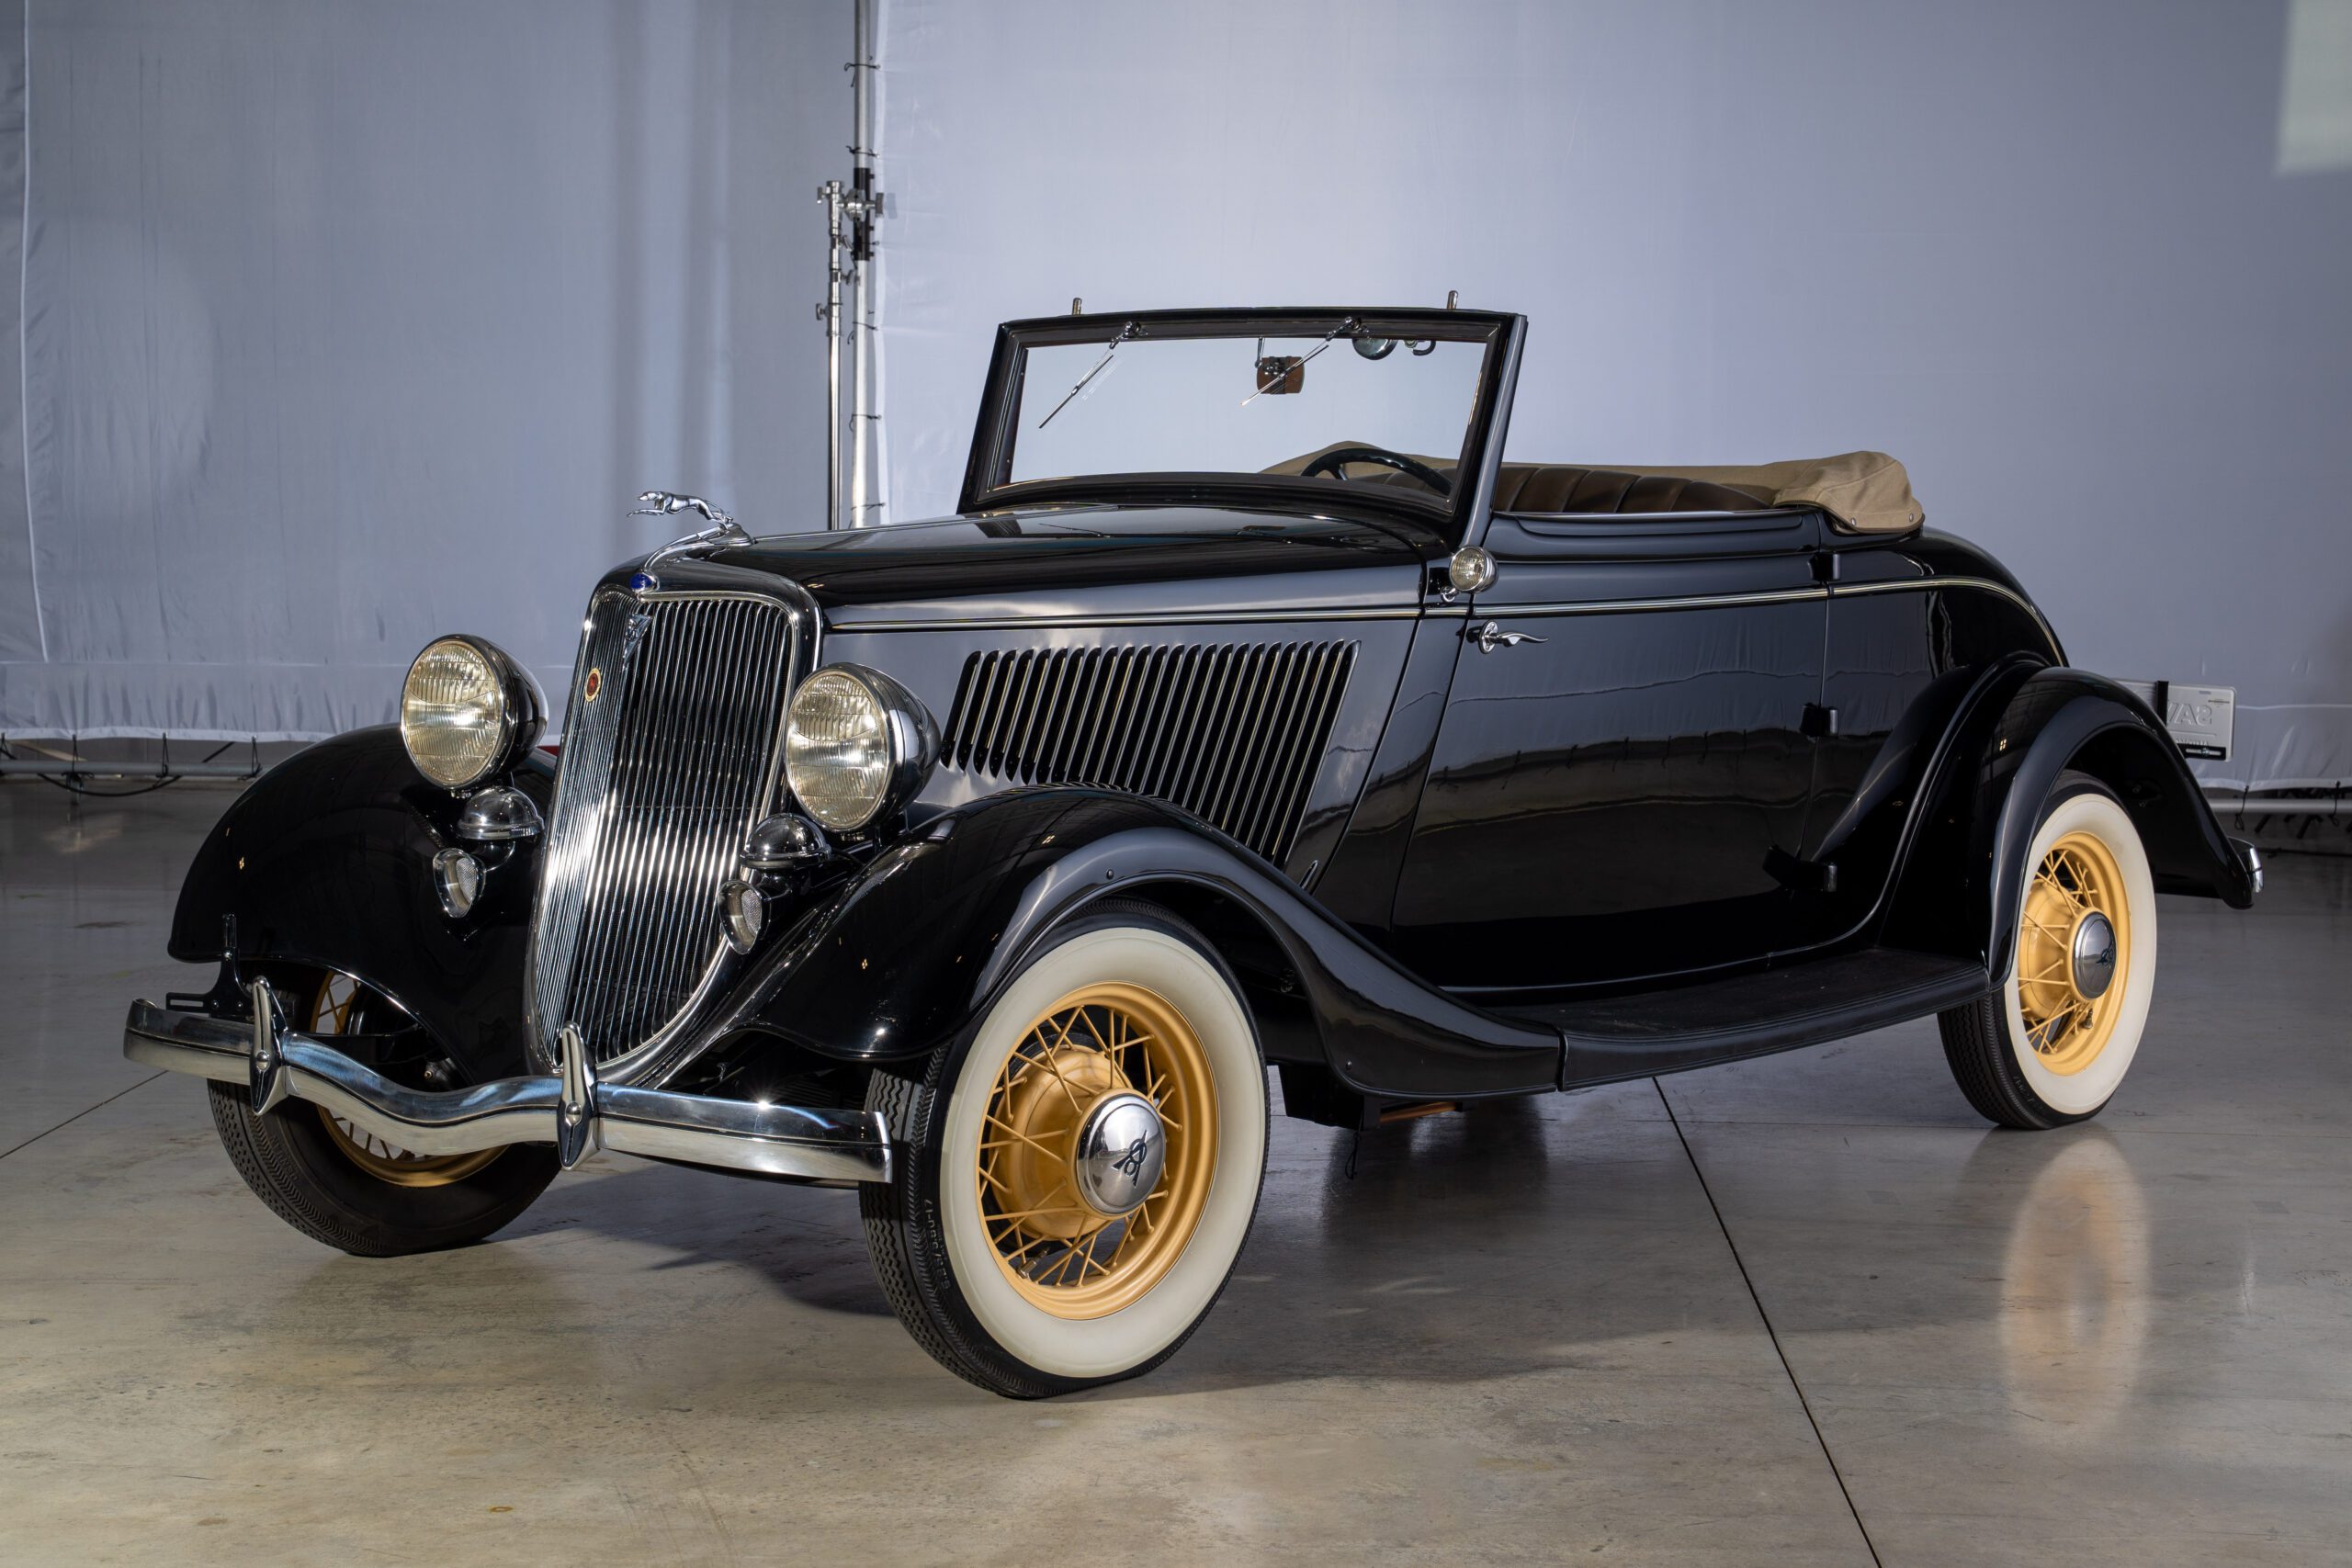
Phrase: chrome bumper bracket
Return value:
(576, 1130)
(266, 1075)
(570, 1110)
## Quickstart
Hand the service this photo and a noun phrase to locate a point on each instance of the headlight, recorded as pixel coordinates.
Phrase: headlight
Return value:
(467, 711)
(856, 744)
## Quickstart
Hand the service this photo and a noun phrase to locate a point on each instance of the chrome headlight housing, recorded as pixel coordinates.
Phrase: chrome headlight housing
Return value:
(467, 711)
(856, 745)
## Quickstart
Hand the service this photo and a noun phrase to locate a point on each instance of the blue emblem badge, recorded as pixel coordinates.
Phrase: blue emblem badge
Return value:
(643, 583)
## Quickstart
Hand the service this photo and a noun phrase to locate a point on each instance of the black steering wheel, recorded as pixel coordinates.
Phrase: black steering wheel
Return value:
(1340, 457)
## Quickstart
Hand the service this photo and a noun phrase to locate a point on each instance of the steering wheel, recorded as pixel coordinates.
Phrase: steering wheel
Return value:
(1339, 458)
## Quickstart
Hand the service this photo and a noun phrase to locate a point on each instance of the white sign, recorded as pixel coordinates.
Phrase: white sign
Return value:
(2201, 718)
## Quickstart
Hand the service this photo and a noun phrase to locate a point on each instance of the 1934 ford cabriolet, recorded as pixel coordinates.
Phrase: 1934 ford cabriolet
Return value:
(1255, 708)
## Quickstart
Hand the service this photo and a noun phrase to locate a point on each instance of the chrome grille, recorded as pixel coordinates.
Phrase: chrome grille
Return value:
(1232, 734)
(662, 773)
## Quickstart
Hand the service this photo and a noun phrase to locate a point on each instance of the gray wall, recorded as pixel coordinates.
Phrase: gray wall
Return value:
(2045, 253)
(347, 323)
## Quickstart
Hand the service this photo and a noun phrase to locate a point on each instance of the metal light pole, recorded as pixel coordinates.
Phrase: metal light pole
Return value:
(849, 212)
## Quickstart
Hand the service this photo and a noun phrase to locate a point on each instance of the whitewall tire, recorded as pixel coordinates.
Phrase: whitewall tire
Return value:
(1076, 1177)
(2052, 1046)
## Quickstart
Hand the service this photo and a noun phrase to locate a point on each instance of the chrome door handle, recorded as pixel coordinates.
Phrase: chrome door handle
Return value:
(1492, 637)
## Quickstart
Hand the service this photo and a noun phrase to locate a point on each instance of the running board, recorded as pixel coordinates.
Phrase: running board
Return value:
(1636, 1033)
(569, 1110)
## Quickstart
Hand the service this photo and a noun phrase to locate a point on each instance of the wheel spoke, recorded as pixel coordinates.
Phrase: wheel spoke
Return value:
(1008, 1127)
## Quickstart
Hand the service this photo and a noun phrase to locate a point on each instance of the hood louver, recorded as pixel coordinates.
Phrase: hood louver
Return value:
(1234, 734)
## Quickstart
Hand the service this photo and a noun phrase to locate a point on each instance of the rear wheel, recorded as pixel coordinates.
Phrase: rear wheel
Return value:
(2052, 1046)
(349, 1189)
(1075, 1180)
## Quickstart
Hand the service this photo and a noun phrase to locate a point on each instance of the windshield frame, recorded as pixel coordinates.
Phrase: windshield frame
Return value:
(987, 486)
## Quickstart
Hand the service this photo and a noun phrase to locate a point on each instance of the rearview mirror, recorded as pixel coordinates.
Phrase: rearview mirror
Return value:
(1280, 372)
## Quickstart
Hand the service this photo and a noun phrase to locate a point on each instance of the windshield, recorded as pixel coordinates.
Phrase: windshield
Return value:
(1350, 399)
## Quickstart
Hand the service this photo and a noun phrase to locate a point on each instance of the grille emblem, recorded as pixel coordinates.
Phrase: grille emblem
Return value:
(592, 685)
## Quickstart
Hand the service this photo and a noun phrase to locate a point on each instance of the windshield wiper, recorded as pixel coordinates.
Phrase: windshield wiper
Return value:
(1288, 370)
(1130, 330)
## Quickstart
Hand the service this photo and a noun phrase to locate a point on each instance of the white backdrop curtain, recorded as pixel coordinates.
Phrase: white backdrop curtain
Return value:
(2084, 266)
(348, 324)
(345, 323)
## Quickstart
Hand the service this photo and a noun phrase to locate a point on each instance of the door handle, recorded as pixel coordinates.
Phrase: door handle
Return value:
(1492, 637)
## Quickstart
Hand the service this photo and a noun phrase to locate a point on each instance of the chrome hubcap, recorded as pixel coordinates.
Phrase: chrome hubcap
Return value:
(2093, 953)
(1121, 1149)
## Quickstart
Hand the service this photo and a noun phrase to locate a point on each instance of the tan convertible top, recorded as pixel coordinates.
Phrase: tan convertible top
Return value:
(1862, 492)
(1866, 492)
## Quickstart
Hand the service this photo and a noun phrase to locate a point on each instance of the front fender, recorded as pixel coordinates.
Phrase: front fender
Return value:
(902, 960)
(326, 862)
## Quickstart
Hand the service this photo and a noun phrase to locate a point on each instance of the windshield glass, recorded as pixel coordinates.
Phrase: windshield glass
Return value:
(1341, 404)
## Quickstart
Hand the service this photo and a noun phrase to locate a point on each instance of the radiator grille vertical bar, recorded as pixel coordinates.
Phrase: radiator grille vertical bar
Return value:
(1234, 734)
(661, 776)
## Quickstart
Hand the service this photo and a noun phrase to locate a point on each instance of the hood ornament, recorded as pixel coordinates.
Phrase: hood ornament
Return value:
(666, 503)
(723, 531)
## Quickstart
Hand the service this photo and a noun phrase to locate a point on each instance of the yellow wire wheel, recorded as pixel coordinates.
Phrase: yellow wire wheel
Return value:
(333, 1008)
(1076, 1229)
(2073, 953)
(1082, 1166)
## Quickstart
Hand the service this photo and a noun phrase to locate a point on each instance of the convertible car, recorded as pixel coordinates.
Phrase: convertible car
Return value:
(1260, 708)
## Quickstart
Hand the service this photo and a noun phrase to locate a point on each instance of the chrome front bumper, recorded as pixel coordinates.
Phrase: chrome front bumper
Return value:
(572, 1111)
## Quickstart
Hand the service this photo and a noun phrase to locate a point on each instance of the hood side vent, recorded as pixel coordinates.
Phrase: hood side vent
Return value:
(1233, 733)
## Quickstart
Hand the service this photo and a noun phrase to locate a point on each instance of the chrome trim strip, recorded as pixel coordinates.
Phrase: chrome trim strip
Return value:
(1693, 601)
(1983, 584)
(1575, 607)
(1139, 618)
(766, 1140)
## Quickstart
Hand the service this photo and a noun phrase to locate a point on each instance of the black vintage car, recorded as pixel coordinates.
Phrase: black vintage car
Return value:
(1256, 708)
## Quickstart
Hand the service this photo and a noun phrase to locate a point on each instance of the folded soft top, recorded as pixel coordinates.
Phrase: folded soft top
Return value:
(1863, 493)
(1867, 492)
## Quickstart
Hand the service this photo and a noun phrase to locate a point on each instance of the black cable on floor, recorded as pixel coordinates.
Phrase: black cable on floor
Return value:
(101, 1105)
(1770, 1333)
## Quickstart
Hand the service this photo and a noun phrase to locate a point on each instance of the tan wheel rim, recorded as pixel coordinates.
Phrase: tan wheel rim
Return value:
(2078, 879)
(331, 1012)
(1060, 1253)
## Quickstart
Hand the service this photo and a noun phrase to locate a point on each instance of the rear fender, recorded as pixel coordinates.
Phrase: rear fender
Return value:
(910, 955)
(326, 862)
(2055, 721)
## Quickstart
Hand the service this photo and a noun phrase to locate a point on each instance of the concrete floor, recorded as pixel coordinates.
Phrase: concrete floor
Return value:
(1802, 1310)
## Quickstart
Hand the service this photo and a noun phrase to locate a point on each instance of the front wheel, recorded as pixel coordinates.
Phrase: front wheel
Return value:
(2051, 1045)
(1076, 1177)
(340, 1185)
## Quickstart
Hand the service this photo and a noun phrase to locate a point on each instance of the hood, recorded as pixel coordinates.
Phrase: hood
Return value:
(1181, 554)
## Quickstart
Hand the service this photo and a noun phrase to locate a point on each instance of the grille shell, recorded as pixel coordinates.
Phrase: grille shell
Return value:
(663, 773)
(1234, 733)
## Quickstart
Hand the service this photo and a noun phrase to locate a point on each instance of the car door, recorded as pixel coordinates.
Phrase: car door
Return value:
(1620, 783)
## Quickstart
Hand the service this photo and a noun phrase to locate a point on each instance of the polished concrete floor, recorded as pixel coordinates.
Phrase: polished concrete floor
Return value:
(1804, 1310)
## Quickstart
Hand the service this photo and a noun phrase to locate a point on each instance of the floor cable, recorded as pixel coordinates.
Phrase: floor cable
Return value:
(1770, 1331)
(101, 1105)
